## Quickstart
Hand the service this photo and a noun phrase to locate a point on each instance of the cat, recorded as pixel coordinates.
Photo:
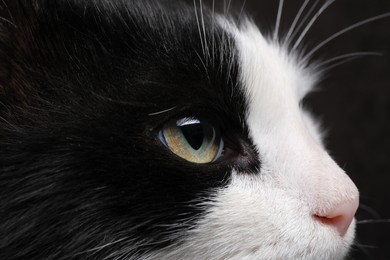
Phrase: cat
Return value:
(160, 130)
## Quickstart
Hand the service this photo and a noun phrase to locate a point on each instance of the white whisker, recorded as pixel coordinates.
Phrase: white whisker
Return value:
(200, 32)
(213, 33)
(369, 210)
(304, 19)
(348, 55)
(349, 28)
(346, 60)
(278, 18)
(204, 31)
(161, 112)
(363, 248)
(296, 19)
(117, 101)
(312, 21)
(228, 7)
(241, 11)
(204, 66)
(222, 37)
(373, 221)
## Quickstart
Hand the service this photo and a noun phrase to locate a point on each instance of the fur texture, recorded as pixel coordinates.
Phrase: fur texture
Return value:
(86, 86)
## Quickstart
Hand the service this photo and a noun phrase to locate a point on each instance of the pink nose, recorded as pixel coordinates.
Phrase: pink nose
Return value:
(341, 216)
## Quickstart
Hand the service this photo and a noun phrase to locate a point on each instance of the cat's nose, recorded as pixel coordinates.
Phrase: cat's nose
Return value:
(340, 217)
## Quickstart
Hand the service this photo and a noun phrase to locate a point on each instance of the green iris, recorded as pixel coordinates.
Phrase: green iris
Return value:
(193, 140)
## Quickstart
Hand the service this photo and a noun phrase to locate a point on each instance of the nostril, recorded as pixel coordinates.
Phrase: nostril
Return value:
(341, 223)
(340, 217)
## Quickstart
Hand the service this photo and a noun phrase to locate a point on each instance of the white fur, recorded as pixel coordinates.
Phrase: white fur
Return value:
(269, 215)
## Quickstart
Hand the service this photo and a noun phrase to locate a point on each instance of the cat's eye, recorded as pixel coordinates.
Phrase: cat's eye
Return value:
(192, 139)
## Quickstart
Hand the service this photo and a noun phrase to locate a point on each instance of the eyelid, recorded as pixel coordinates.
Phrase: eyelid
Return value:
(162, 138)
(220, 151)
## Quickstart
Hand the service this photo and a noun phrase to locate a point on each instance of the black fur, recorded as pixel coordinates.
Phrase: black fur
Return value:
(82, 172)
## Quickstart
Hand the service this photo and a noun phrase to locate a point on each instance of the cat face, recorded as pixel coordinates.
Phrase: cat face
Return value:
(158, 130)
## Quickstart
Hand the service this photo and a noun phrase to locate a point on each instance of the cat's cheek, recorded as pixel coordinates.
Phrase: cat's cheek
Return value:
(254, 218)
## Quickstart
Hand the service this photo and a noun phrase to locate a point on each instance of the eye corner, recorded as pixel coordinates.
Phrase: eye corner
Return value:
(233, 151)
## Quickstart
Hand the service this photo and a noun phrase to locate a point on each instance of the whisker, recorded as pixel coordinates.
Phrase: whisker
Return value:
(204, 66)
(204, 30)
(348, 55)
(162, 111)
(369, 210)
(197, 21)
(10, 125)
(363, 248)
(349, 28)
(222, 39)
(213, 33)
(121, 102)
(312, 21)
(305, 18)
(7, 21)
(278, 18)
(346, 60)
(296, 19)
(373, 221)
(9, 13)
(367, 246)
(228, 7)
(241, 11)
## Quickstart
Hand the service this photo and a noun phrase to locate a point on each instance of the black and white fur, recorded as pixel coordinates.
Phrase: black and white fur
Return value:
(85, 87)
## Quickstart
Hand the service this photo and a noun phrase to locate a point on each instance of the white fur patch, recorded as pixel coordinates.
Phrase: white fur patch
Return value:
(269, 215)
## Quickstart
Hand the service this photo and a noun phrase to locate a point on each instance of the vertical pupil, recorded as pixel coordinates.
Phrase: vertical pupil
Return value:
(194, 134)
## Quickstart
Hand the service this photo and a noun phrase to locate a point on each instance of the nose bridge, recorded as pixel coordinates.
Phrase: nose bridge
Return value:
(326, 185)
(321, 183)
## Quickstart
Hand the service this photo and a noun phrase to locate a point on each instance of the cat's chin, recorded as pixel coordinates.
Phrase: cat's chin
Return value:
(323, 244)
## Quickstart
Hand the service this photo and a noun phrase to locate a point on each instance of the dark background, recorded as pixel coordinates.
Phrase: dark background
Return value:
(353, 103)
